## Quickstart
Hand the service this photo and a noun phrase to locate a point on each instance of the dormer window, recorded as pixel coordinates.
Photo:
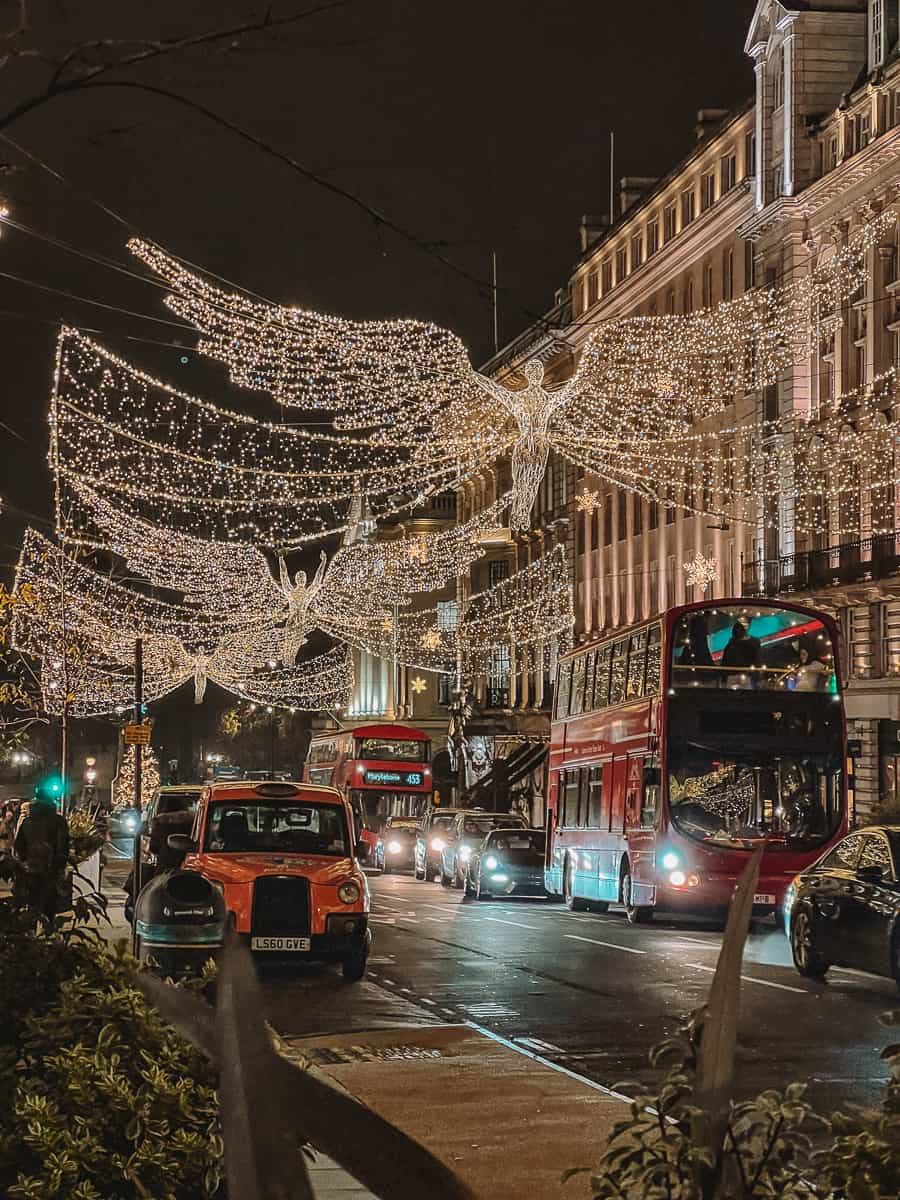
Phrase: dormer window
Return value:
(778, 79)
(876, 34)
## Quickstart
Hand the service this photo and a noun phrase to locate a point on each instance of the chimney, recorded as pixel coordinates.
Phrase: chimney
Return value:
(633, 188)
(709, 119)
(592, 228)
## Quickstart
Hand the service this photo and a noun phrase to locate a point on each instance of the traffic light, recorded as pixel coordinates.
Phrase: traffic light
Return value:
(50, 789)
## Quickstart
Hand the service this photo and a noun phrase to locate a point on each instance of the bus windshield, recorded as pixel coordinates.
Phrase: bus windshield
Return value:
(392, 749)
(751, 647)
(739, 798)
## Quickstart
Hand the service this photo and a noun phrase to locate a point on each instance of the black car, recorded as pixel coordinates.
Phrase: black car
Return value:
(467, 832)
(431, 840)
(509, 862)
(395, 849)
(845, 909)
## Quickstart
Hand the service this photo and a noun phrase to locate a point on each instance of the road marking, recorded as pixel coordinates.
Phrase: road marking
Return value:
(425, 1000)
(609, 945)
(519, 924)
(444, 908)
(699, 942)
(537, 1044)
(548, 1062)
(448, 1012)
(406, 991)
(439, 920)
(389, 982)
(782, 987)
(490, 1008)
(382, 920)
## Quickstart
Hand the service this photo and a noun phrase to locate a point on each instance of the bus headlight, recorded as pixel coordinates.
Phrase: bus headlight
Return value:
(678, 879)
(348, 892)
(492, 862)
(438, 844)
(670, 861)
(465, 853)
(394, 847)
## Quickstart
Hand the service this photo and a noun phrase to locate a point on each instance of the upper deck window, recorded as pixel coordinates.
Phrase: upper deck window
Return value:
(391, 749)
(627, 668)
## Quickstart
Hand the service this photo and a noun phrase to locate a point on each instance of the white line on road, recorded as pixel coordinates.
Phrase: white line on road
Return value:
(609, 945)
(389, 982)
(782, 987)
(519, 924)
(425, 1000)
(448, 1012)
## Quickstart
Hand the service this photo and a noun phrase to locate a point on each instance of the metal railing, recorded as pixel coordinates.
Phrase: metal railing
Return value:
(851, 562)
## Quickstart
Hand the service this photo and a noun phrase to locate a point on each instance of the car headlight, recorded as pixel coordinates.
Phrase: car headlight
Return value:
(465, 853)
(492, 862)
(348, 892)
(789, 896)
(438, 844)
(394, 847)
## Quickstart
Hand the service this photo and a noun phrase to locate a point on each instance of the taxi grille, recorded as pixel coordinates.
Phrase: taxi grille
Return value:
(281, 905)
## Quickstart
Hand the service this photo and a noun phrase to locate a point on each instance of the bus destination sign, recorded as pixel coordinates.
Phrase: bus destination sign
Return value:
(394, 778)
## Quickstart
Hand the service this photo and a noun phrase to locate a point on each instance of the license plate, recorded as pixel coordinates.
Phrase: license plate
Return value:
(763, 898)
(279, 943)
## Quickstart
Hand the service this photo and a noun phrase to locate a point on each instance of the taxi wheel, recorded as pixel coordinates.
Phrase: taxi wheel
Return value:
(353, 967)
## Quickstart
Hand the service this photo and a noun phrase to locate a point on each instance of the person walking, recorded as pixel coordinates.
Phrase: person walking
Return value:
(42, 847)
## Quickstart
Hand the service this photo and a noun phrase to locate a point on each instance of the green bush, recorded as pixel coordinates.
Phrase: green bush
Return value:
(98, 1097)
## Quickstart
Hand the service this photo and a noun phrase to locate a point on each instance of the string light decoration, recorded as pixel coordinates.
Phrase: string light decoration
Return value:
(83, 627)
(419, 685)
(640, 383)
(700, 572)
(123, 784)
(588, 502)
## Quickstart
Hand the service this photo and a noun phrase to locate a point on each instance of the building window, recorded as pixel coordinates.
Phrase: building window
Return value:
(670, 218)
(447, 615)
(876, 34)
(707, 286)
(778, 80)
(638, 514)
(446, 685)
(688, 297)
(707, 191)
(592, 288)
(864, 135)
(497, 572)
(607, 519)
(890, 637)
(849, 137)
(577, 298)
(728, 172)
(750, 154)
(778, 179)
(670, 302)
(688, 207)
(607, 276)
(621, 263)
(637, 251)
(653, 235)
(728, 274)
(652, 514)
(749, 267)
(860, 622)
(896, 351)
(670, 510)
(622, 525)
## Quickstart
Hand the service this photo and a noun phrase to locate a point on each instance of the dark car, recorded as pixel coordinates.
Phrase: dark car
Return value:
(845, 909)
(467, 832)
(431, 840)
(509, 862)
(171, 811)
(395, 849)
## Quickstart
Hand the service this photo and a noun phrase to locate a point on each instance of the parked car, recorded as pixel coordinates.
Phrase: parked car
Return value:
(170, 811)
(509, 862)
(468, 831)
(395, 849)
(845, 909)
(283, 853)
(431, 839)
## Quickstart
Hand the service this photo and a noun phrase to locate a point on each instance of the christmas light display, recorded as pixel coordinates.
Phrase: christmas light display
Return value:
(123, 784)
(640, 383)
(700, 571)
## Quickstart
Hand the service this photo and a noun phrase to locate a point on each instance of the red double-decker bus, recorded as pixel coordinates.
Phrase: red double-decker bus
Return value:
(384, 770)
(681, 744)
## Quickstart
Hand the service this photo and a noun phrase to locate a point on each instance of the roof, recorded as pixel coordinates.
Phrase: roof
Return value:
(405, 733)
(250, 789)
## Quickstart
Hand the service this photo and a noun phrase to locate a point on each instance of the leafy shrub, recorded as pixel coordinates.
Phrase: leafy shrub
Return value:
(98, 1097)
(85, 838)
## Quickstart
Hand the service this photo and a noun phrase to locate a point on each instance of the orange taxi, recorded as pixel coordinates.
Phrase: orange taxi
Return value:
(285, 858)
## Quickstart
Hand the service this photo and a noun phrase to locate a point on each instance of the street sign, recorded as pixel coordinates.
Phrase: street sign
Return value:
(137, 735)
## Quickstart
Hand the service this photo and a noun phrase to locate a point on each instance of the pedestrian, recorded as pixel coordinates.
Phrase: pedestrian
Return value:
(42, 848)
(7, 829)
(741, 654)
(810, 673)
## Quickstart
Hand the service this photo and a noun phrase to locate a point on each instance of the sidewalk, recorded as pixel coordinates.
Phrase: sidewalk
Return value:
(507, 1123)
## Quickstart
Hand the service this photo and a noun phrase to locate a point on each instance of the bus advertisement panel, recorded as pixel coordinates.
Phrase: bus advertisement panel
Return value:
(384, 770)
(680, 745)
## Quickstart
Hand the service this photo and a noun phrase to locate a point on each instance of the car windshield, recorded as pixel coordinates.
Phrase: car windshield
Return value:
(790, 800)
(400, 831)
(176, 802)
(513, 846)
(391, 749)
(441, 824)
(475, 826)
(304, 827)
(752, 647)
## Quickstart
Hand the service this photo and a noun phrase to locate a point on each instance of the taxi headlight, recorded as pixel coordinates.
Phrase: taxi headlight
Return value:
(348, 893)
(492, 862)
(438, 844)
(394, 847)
(670, 861)
(465, 853)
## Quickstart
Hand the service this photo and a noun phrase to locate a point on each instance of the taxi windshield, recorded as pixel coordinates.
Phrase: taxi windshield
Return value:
(250, 826)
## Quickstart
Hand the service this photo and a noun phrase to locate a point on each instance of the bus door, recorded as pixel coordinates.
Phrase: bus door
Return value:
(641, 813)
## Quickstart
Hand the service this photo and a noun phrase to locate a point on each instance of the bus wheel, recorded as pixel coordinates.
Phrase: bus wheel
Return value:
(573, 903)
(637, 914)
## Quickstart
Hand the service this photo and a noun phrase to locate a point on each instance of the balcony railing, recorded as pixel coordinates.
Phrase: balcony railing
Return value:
(851, 562)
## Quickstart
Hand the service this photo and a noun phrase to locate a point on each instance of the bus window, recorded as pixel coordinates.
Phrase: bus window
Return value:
(650, 793)
(583, 775)
(637, 660)
(589, 663)
(619, 665)
(618, 776)
(654, 660)
(569, 788)
(595, 798)
(601, 678)
(563, 688)
(576, 696)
